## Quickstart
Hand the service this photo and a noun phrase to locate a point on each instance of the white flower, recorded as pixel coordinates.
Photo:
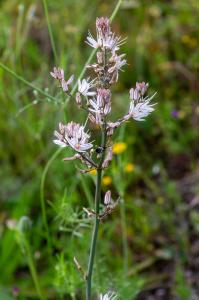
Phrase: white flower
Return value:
(110, 42)
(84, 86)
(73, 135)
(95, 106)
(105, 37)
(113, 42)
(108, 296)
(118, 62)
(103, 31)
(94, 43)
(140, 109)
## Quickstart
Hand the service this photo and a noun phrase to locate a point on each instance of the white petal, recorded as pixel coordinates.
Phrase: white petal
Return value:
(59, 143)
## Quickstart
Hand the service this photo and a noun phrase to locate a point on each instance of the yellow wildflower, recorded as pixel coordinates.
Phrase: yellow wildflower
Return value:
(93, 172)
(119, 147)
(106, 180)
(129, 168)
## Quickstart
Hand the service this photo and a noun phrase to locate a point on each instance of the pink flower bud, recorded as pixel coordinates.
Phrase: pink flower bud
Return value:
(78, 99)
(103, 27)
(107, 198)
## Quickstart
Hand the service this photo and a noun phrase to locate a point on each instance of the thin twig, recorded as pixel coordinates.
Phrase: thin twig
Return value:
(4, 67)
(88, 159)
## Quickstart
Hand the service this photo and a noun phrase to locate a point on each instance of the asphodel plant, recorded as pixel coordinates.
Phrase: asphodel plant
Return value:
(95, 98)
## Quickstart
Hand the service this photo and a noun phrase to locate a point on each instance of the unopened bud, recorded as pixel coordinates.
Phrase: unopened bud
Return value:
(78, 99)
(103, 26)
(108, 158)
(99, 57)
(107, 198)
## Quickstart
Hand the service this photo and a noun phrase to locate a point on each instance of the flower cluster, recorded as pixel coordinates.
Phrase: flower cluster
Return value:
(140, 106)
(106, 39)
(109, 63)
(94, 96)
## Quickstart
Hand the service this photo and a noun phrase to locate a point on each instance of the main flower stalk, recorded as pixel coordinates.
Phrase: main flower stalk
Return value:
(94, 236)
(97, 219)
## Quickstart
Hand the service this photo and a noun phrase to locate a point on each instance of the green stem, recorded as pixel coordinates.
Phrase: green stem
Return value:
(115, 10)
(96, 222)
(50, 29)
(33, 270)
(87, 191)
(94, 236)
(97, 191)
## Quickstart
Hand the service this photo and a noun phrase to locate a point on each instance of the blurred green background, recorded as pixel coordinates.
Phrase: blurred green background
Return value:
(154, 233)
